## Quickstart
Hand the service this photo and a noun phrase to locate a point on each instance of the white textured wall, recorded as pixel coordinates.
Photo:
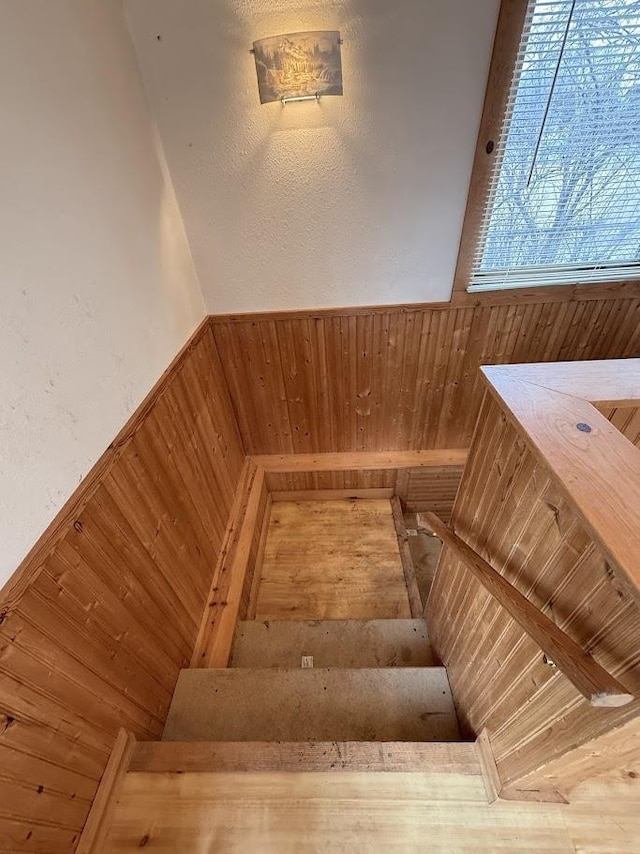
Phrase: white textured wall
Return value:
(97, 286)
(357, 200)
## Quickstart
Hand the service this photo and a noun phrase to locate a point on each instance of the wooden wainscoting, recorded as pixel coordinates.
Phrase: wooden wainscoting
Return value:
(105, 610)
(101, 616)
(626, 419)
(402, 377)
(232, 581)
(515, 511)
(432, 489)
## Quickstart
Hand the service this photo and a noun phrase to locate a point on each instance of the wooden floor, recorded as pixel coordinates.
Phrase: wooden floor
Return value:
(279, 813)
(332, 560)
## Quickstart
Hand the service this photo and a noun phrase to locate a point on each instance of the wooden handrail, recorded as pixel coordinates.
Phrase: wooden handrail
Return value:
(587, 676)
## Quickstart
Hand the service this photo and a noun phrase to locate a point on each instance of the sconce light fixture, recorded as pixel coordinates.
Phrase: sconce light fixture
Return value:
(299, 66)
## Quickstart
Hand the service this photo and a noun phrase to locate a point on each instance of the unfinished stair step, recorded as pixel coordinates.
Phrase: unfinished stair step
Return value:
(332, 643)
(323, 704)
(326, 756)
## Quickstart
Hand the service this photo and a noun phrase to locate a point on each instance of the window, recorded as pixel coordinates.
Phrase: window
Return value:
(560, 202)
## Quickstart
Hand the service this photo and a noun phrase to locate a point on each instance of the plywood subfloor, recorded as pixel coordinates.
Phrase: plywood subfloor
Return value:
(319, 704)
(332, 560)
(277, 813)
(332, 643)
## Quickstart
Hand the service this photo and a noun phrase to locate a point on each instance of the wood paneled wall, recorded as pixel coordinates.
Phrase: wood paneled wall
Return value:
(432, 489)
(104, 612)
(296, 481)
(510, 511)
(627, 420)
(429, 488)
(256, 552)
(398, 378)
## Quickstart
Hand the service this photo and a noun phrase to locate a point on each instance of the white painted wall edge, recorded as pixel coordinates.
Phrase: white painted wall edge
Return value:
(99, 290)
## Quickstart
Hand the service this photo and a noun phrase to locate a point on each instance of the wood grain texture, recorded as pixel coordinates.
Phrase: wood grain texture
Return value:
(511, 512)
(103, 613)
(233, 577)
(423, 480)
(375, 492)
(258, 546)
(94, 833)
(439, 813)
(305, 481)
(399, 378)
(626, 420)
(615, 749)
(595, 466)
(585, 674)
(331, 560)
(415, 600)
(430, 489)
(361, 461)
(608, 382)
(84, 625)
(297, 756)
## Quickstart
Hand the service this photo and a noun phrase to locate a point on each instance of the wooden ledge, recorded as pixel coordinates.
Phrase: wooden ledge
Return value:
(604, 382)
(221, 612)
(271, 756)
(332, 494)
(459, 299)
(361, 460)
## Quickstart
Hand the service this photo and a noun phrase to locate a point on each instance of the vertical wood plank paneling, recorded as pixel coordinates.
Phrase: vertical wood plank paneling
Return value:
(318, 480)
(627, 420)
(105, 610)
(102, 615)
(511, 513)
(231, 582)
(432, 489)
(398, 378)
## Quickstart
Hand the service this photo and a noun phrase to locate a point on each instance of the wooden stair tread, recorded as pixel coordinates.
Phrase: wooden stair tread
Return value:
(332, 643)
(320, 704)
(324, 756)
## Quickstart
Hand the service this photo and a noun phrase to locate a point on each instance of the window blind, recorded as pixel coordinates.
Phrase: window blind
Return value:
(563, 202)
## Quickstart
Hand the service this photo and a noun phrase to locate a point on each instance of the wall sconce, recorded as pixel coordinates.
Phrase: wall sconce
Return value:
(299, 66)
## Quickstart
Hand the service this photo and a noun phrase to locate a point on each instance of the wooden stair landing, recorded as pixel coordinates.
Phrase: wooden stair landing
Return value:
(332, 643)
(320, 704)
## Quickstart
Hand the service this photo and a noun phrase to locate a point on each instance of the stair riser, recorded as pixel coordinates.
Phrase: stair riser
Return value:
(332, 643)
